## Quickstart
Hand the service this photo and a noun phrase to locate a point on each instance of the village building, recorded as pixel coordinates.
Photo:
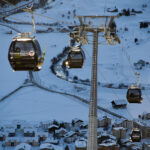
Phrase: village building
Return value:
(145, 116)
(108, 146)
(42, 136)
(52, 141)
(146, 145)
(23, 146)
(12, 141)
(67, 125)
(128, 124)
(104, 122)
(77, 122)
(119, 132)
(29, 132)
(119, 104)
(70, 137)
(105, 137)
(11, 130)
(84, 125)
(80, 144)
(60, 132)
(52, 128)
(45, 125)
(144, 127)
(31, 141)
(3, 136)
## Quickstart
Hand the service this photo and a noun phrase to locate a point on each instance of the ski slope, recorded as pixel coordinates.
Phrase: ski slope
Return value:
(34, 104)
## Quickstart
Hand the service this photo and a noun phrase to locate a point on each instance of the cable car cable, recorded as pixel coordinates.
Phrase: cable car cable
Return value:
(37, 13)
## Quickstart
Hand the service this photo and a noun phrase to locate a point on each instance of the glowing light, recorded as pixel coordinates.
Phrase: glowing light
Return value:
(67, 63)
(31, 53)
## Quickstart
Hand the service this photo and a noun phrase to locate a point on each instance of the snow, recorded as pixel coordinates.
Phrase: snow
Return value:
(35, 105)
(80, 143)
(24, 146)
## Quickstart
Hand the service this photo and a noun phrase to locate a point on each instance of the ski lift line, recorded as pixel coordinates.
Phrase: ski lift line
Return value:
(128, 58)
(25, 10)
(105, 6)
(146, 96)
(130, 113)
(10, 27)
(110, 88)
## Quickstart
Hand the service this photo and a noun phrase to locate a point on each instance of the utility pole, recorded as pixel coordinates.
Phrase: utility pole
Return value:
(80, 35)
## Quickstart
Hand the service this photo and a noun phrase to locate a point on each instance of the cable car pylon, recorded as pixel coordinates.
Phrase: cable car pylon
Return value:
(80, 35)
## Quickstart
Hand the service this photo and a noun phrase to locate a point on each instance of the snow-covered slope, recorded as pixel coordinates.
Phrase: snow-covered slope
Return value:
(113, 67)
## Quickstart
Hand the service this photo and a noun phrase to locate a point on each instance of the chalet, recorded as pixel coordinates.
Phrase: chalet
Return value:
(104, 122)
(3, 136)
(70, 137)
(61, 132)
(42, 136)
(52, 141)
(146, 116)
(17, 123)
(80, 144)
(77, 122)
(11, 141)
(119, 132)
(11, 131)
(66, 125)
(45, 125)
(23, 146)
(128, 124)
(105, 137)
(119, 103)
(146, 145)
(108, 146)
(84, 125)
(144, 127)
(46, 146)
(29, 132)
(32, 141)
(52, 128)
(83, 132)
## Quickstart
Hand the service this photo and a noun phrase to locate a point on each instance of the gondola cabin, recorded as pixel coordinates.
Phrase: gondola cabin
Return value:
(25, 54)
(134, 94)
(75, 58)
(136, 135)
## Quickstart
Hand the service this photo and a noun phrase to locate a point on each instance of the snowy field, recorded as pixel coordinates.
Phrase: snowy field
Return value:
(33, 104)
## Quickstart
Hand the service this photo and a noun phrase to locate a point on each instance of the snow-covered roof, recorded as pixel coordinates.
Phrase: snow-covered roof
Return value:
(23, 146)
(46, 146)
(3, 133)
(119, 128)
(53, 126)
(81, 143)
(42, 134)
(10, 130)
(77, 120)
(108, 144)
(29, 130)
(120, 102)
(69, 134)
(51, 140)
(60, 130)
